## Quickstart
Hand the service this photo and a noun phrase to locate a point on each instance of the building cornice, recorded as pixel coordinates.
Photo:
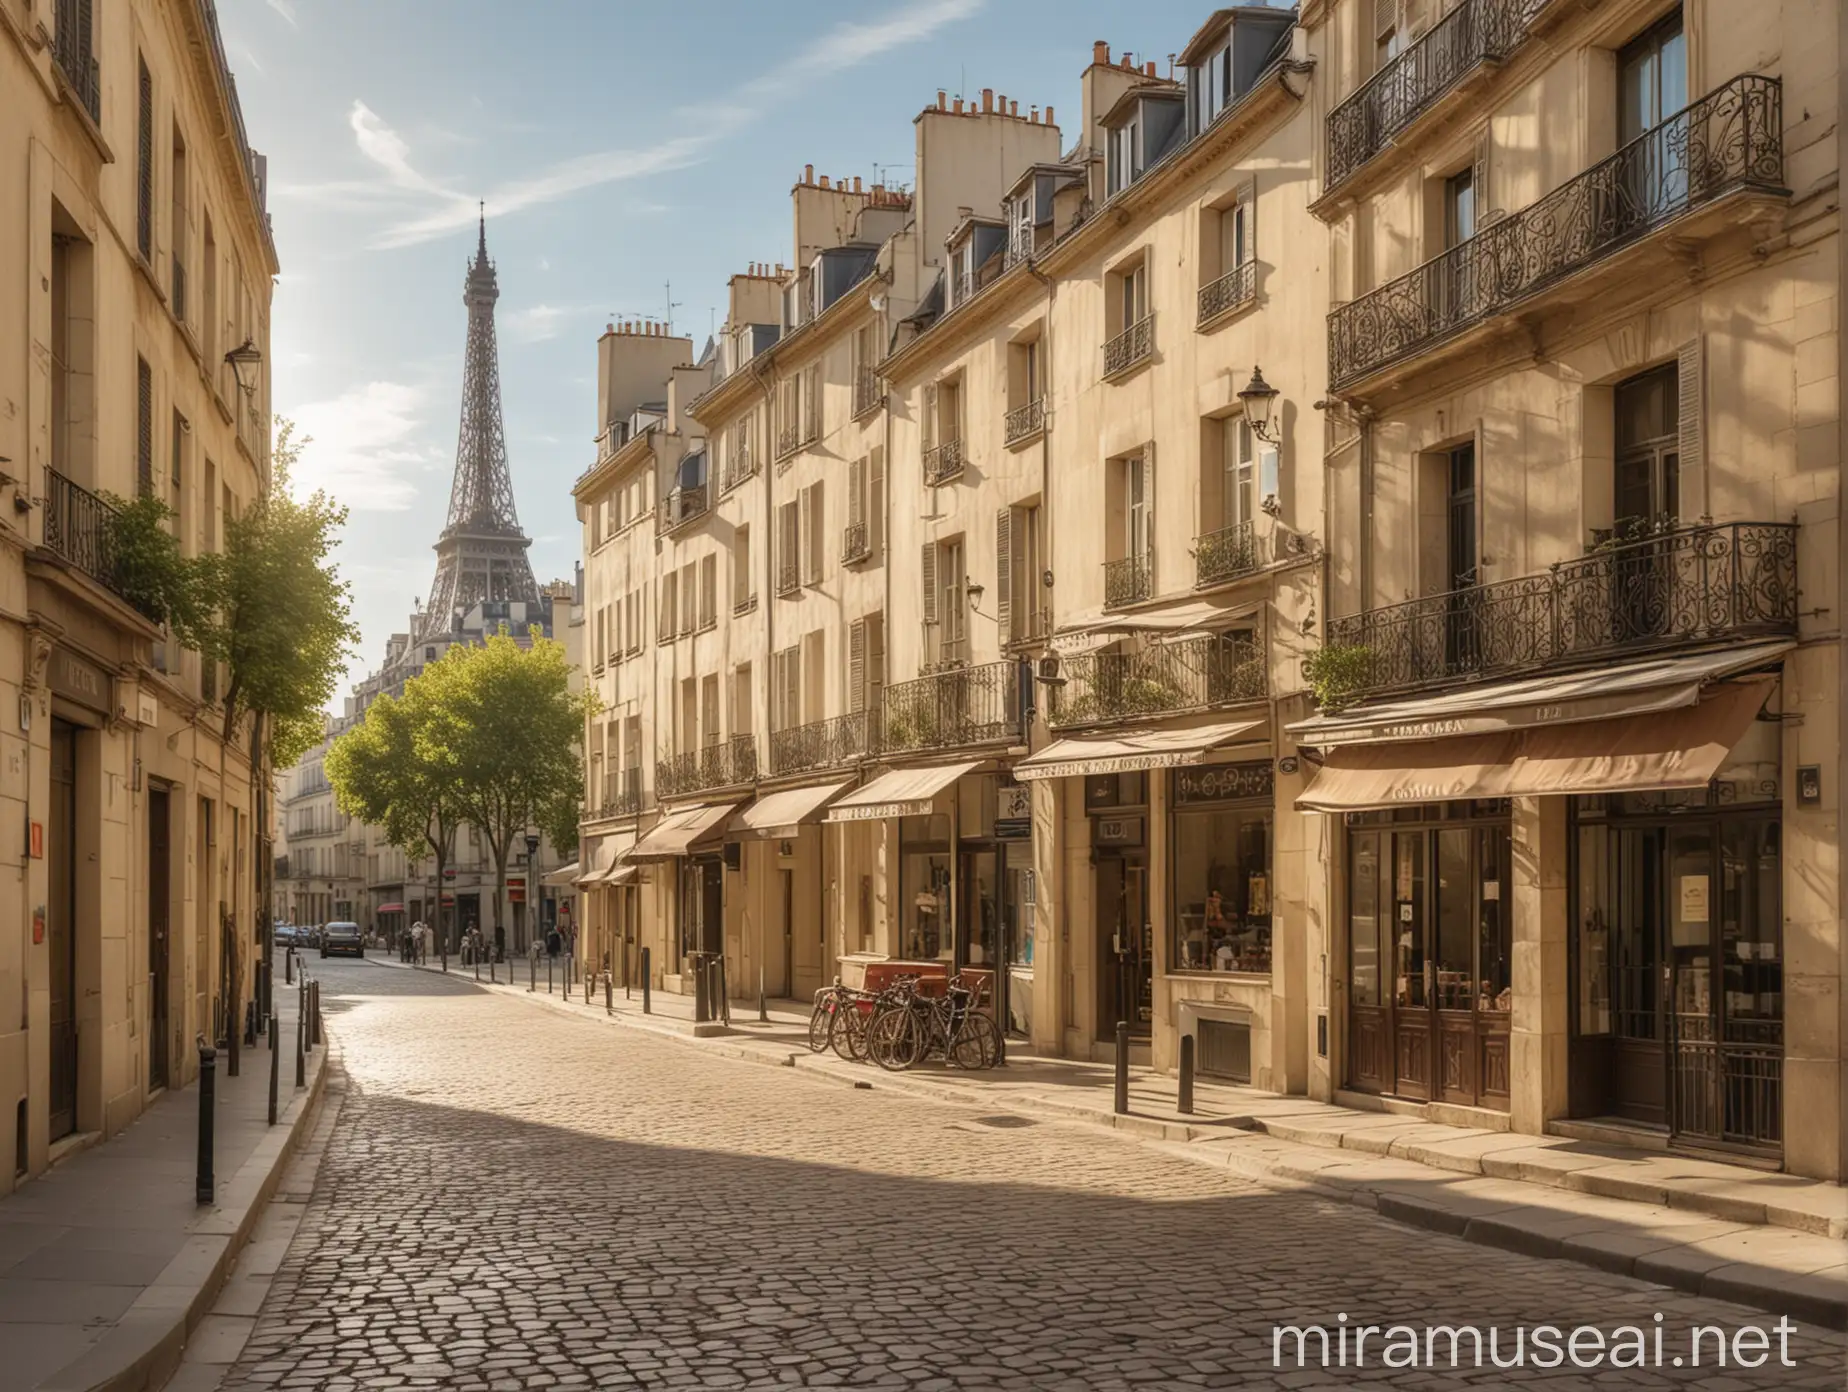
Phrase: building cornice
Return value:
(600, 473)
(208, 54)
(713, 407)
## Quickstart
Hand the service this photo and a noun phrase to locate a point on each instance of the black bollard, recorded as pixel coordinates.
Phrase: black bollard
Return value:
(288, 967)
(548, 973)
(203, 1187)
(491, 963)
(314, 996)
(1184, 1103)
(477, 969)
(301, 1062)
(532, 971)
(724, 991)
(647, 1008)
(1122, 1068)
(609, 994)
(702, 996)
(275, 1072)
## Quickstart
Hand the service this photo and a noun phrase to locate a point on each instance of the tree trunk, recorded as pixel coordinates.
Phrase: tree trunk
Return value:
(500, 889)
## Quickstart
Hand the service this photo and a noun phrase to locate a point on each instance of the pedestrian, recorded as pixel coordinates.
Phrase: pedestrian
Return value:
(554, 943)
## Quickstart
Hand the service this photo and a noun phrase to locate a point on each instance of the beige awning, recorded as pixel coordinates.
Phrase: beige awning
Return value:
(681, 833)
(621, 873)
(1131, 749)
(563, 875)
(1681, 748)
(783, 814)
(1622, 689)
(904, 792)
(1183, 616)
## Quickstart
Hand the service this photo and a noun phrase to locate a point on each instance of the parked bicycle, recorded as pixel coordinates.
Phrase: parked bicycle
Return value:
(908, 1028)
(839, 1020)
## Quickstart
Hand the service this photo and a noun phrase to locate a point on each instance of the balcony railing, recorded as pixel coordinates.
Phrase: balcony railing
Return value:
(79, 527)
(788, 577)
(740, 465)
(856, 543)
(1225, 554)
(1166, 679)
(1730, 139)
(1236, 287)
(724, 765)
(821, 744)
(963, 707)
(1129, 580)
(1696, 584)
(1474, 33)
(625, 800)
(866, 392)
(681, 506)
(943, 463)
(1024, 421)
(1130, 347)
(743, 604)
(74, 51)
(788, 439)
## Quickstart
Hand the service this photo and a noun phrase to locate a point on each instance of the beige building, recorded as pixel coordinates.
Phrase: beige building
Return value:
(321, 873)
(135, 279)
(1339, 562)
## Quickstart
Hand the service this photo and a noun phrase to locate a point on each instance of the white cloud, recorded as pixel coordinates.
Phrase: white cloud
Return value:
(367, 449)
(539, 322)
(430, 208)
(285, 9)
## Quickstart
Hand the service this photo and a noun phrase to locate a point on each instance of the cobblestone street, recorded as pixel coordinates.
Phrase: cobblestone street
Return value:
(515, 1199)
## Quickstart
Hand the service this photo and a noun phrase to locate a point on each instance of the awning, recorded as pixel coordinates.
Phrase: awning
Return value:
(596, 854)
(1622, 689)
(906, 792)
(683, 831)
(1132, 749)
(1677, 749)
(1183, 616)
(622, 873)
(563, 875)
(390, 908)
(783, 814)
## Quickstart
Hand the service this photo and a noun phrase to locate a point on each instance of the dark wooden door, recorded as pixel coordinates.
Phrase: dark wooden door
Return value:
(61, 927)
(159, 935)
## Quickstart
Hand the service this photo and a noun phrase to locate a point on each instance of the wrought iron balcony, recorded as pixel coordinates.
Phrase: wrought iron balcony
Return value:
(1236, 287)
(1474, 33)
(74, 52)
(1730, 139)
(680, 507)
(1165, 679)
(79, 526)
(1134, 345)
(1225, 554)
(743, 604)
(1684, 585)
(822, 744)
(856, 543)
(740, 465)
(728, 764)
(1024, 422)
(788, 439)
(943, 463)
(960, 708)
(1129, 580)
(788, 577)
(624, 800)
(866, 392)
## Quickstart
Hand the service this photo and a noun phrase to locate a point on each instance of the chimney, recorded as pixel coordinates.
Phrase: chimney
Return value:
(1100, 52)
(988, 101)
(956, 106)
(1035, 116)
(1129, 63)
(856, 183)
(943, 100)
(1013, 108)
(808, 173)
(824, 181)
(1148, 68)
(1049, 120)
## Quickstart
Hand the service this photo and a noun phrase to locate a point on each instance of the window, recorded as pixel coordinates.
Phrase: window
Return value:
(925, 901)
(177, 265)
(710, 732)
(865, 663)
(1136, 506)
(949, 610)
(1388, 31)
(855, 542)
(1652, 78)
(744, 586)
(208, 514)
(176, 485)
(788, 548)
(1647, 467)
(741, 700)
(1132, 290)
(144, 164)
(814, 676)
(811, 403)
(708, 591)
(1459, 208)
(689, 597)
(1023, 388)
(1018, 612)
(814, 519)
(144, 428)
(1222, 885)
(1212, 85)
(1125, 155)
(669, 609)
(687, 737)
(786, 697)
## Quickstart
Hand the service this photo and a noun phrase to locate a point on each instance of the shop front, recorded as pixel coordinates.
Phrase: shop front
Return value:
(689, 844)
(777, 938)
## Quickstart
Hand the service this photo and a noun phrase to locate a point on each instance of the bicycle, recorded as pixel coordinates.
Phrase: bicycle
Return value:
(833, 1020)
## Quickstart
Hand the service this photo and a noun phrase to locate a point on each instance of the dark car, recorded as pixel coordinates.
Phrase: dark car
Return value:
(342, 937)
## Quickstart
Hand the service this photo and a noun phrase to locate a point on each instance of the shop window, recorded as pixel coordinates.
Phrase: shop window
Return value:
(925, 931)
(1222, 889)
(1116, 790)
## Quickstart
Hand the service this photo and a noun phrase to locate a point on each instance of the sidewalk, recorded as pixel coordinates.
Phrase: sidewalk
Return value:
(1771, 1240)
(107, 1263)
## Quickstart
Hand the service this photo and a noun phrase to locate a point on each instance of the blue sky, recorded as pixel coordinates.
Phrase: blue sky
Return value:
(620, 147)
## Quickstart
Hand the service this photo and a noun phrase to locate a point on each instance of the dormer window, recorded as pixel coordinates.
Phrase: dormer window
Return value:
(1213, 86)
(1125, 160)
(962, 273)
(1020, 226)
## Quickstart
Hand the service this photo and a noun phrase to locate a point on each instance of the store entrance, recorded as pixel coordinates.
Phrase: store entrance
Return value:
(61, 926)
(159, 923)
(1125, 943)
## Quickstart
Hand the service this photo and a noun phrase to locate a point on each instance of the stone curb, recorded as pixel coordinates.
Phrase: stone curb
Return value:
(143, 1349)
(1251, 1149)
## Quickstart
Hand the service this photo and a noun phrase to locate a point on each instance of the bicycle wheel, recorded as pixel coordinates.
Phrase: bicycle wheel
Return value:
(821, 1026)
(850, 1032)
(892, 1040)
(977, 1043)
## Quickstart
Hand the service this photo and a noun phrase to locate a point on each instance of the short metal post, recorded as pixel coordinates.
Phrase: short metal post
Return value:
(609, 994)
(478, 968)
(275, 1072)
(491, 962)
(1122, 1068)
(724, 990)
(548, 973)
(315, 992)
(288, 968)
(301, 1062)
(702, 1006)
(647, 980)
(204, 1189)
(1184, 1103)
(532, 971)
(443, 947)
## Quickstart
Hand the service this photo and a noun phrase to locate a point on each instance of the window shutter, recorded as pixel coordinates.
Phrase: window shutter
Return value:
(1248, 203)
(876, 501)
(1385, 17)
(856, 492)
(927, 576)
(856, 666)
(144, 167)
(1004, 572)
(1480, 175)
(1691, 409)
(929, 436)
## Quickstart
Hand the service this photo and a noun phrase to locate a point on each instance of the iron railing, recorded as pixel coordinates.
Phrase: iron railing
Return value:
(788, 576)
(743, 604)
(963, 287)
(866, 392)
(74, 50)
(625, 800)
(1730, 139)
(963, 707)
(820, 744)
(740, 465)
(79, 526)
(681, 506)
(1474, 33)
(1696, 584)
(1024, 421)
(788, 439)
(1236, 287)
(726, 764)
(1028, 625)
(1019, 246)
(943, 462)
(1224, 554)
(856, 543)
(1130, 347)
(1129, 580)
(1162, 679)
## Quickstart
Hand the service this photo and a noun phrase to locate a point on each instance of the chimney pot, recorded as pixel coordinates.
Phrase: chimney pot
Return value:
(943, 100)
(1049, 120)
(808, 173)
(1149, 67)
(1034, 117)
(988, 100)
(824, 181)
(1129, 63)
(1100, 52)
(856, 183)
(956, 106)
(1013, 108)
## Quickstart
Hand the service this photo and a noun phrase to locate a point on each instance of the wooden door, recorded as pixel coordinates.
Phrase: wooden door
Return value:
(61, 927)
(159, 935)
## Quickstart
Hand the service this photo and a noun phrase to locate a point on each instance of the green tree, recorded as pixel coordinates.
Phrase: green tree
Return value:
(513, 726)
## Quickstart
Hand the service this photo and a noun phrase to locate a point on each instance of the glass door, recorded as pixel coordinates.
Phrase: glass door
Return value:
(1652, 86)
(1125, 942)
(1412, 967)
(1693, 1013)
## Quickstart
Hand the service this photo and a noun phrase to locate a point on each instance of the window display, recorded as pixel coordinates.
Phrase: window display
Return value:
(1222, 890)
(925, 902)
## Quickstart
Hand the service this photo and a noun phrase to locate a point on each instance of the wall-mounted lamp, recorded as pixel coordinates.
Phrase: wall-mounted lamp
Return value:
(1260, 402)
(976, 590)
(246, 354)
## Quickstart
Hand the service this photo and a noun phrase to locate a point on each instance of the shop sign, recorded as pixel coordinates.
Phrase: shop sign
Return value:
(1117, 831)
(78, 679)
(1013, 812)
(1222, 783)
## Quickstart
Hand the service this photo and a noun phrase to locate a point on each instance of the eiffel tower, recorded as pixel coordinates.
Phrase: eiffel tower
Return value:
(481, 554)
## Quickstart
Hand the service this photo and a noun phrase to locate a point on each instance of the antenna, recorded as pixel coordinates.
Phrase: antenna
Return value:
(672, 305)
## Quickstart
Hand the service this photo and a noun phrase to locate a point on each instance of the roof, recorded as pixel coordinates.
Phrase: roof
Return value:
(1159, 89)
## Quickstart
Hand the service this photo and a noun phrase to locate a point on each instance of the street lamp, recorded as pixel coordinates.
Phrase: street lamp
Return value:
(1260, 401)
(246, 354)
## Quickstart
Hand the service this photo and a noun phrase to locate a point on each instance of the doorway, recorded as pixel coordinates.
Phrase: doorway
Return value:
(1126, 943)
(61, 926)
(160, 873)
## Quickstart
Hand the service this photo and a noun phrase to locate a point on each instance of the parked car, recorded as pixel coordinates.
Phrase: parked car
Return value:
(307, 935)
(285, 934)
(342, 937)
